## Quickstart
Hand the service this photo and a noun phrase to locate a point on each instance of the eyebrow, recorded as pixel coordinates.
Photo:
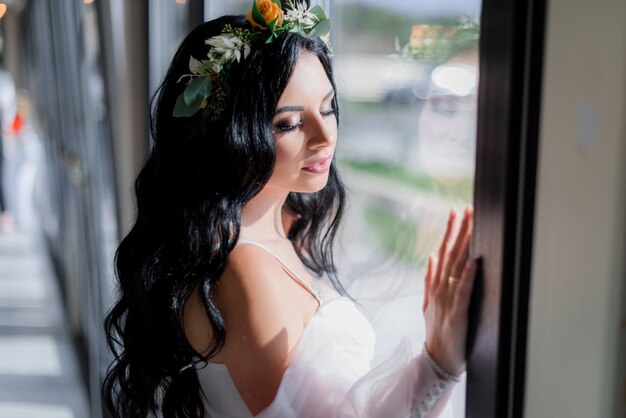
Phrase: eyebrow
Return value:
(301, 108)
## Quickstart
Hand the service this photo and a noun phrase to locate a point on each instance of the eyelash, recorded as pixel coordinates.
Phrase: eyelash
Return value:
(284, 127)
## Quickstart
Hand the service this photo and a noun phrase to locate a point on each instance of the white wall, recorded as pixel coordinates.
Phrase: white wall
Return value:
(577, 326)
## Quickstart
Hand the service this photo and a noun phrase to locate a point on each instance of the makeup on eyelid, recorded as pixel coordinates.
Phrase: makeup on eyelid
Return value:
(288, 125)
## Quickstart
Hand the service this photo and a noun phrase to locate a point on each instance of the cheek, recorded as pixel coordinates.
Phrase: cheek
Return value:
(287, 154)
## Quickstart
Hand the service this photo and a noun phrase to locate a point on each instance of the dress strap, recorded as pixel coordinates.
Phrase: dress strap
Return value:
(284, 265)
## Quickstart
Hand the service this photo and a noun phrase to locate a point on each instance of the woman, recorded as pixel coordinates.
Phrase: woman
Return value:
(222, 310)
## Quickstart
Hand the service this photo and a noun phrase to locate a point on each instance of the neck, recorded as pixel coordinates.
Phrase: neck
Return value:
(261, 217)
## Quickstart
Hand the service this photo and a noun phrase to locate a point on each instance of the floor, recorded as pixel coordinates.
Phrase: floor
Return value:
(39, 371)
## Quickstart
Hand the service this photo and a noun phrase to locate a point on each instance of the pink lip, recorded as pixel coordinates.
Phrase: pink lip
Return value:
(320, 166)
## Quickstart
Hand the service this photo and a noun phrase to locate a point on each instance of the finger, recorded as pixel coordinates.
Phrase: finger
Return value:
(460, 251)
(460, 241)
(446, 270)
(463, 253)
(464, 288)
(461, 237)
(427, 281)
(443, 252)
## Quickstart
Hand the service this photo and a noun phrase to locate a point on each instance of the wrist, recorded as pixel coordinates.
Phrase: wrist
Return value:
(439, 371)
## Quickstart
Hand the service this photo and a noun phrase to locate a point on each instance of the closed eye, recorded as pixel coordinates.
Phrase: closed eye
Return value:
(328, 104)
(328, 112)
(282, 127)
(287, 125)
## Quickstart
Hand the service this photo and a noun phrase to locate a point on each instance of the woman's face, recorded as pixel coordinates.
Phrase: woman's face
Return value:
(305, 129)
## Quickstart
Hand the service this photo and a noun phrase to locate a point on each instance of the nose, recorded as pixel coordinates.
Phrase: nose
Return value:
(322, 131)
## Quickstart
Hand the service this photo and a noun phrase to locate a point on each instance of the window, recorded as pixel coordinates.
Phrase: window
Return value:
(407, 81)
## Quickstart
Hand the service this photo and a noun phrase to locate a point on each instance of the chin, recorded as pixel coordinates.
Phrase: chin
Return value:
(313, 185)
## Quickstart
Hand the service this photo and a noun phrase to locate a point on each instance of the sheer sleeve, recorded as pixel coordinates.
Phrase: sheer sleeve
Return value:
(330, 375)
(401, 386)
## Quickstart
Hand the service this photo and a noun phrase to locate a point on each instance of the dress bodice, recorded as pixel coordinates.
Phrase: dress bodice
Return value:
(329, 375)
(337, 324)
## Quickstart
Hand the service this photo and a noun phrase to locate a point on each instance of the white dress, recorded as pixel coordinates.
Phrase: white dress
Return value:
(330, 376)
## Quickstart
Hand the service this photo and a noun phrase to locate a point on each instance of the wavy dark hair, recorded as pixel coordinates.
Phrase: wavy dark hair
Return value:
(190, 193)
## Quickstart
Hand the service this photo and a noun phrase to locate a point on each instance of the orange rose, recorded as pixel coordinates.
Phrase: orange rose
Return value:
(270, 11)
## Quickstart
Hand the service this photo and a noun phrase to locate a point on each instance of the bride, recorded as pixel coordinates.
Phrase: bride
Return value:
(229, 305)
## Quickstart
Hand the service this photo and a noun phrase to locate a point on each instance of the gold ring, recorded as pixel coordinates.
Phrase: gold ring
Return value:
(453, 281)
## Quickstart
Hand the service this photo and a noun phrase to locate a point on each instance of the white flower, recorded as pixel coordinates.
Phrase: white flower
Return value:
(194, 64)
(225, 48)
(301, 15)
(225, 42)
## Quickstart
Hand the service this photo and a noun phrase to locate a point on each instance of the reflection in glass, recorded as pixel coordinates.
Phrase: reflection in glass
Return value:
(407, 78)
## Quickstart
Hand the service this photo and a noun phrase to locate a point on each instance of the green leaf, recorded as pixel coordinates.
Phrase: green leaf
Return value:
(273, 23)
(199, 87)
(318, 12)
(182, 109)
(277, 2)
(256, 14)
(321, 29)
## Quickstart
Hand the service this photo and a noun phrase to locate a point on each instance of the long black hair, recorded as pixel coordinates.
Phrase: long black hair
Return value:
(190, 193)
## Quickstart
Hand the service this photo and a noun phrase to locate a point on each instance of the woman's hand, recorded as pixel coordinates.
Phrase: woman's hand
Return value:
(449, 282)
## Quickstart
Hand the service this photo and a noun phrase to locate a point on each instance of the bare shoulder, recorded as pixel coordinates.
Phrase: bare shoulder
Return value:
(251, 280)
(263, 324)
(250, 265)
(252, 295)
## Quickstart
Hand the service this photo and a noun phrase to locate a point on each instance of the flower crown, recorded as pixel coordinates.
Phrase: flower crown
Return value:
(207, 84)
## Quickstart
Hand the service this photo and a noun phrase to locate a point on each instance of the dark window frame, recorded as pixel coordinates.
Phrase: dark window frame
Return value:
(511, 50)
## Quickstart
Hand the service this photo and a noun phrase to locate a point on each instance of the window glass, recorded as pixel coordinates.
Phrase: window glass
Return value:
(214, 9)
(407, 80)
(168, 25)
(99, 154)
(407, 76)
